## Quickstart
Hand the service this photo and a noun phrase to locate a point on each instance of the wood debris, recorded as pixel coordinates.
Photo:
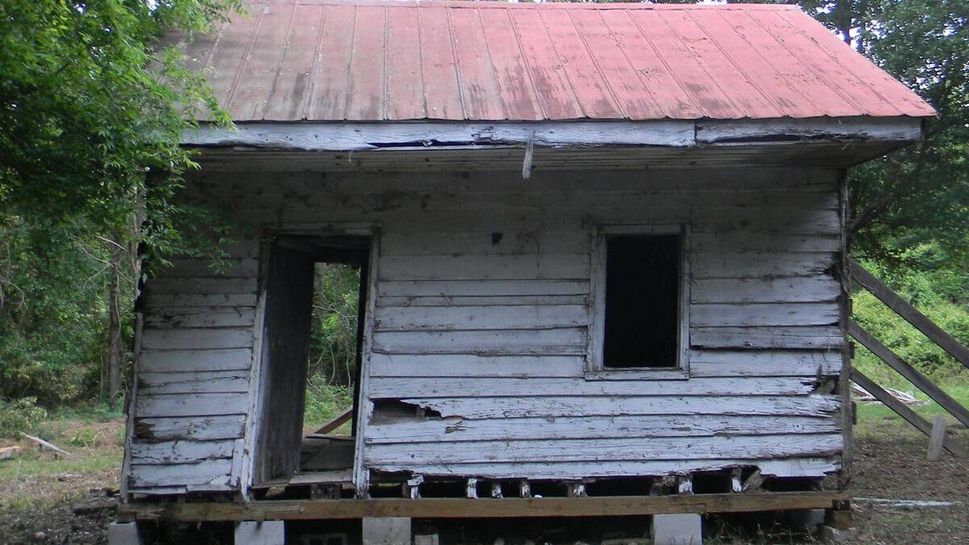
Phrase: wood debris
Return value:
(860, 394)
(47, 445)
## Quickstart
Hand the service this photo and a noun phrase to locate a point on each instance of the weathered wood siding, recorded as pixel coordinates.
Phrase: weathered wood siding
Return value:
(482, 316)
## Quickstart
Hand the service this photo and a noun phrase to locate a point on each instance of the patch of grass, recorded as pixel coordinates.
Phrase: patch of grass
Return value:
(324, 402)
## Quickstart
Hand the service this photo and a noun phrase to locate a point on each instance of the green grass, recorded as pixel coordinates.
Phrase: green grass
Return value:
(324, 402)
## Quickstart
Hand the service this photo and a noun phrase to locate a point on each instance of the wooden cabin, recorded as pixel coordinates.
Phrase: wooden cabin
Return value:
(599, 248)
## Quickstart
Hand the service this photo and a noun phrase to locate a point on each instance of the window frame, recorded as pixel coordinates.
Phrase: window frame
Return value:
(595, 368)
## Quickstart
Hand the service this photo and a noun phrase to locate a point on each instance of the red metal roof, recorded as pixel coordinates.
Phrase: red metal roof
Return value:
(489, 61)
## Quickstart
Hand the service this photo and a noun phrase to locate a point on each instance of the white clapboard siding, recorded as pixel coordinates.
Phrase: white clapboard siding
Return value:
(509, 239)
(179, 451)
(810, 337)
(755, 265)
(194, 382)
(398, 387)
(450, 430)
(480, 317)
(609, 449)
(210, 472)
(799, 289)
(739, 241)
(243, 267)
(553, 407)
(200, 317)
(763, 314)
(483, 287)
(188, 360)
(200, 286)
(473, 366)
(187, 405)
(742, 363)
(189, 428)
(469, 267)
(790, 467)
(196, 338)
(178, 300)
(478, 301)
(563, 341)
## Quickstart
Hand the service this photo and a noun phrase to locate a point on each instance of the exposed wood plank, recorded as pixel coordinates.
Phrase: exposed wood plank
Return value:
(194, 382)
(200, 317)
(760, 264)
(201, 286)
(189, 405)
(814, 337)
(902, 410)
(336, 422)
(179, 451)
(910, 373)
(245, 267)
(800, 289)
(178, 300)
(191, 428)
(549, 407)
(471, 366)
(551, 342)
(481, 388)
(479, 301)
(804, 363)
(480, 317)
(196, 338)
(469, 267)
(451, 430)
(483, 288)
(884, 294)
(189, 360)
(214, 473)
(745, 241)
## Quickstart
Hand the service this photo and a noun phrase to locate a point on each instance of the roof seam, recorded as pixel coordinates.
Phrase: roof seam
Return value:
(279, 63)
(246, 55)
(420, 62)
(353, 48)
(385, 89)
(562, 61)
(457, 71)
(639, 77)
(491, 64)
(539, 100)
(600, 73)
(317, 51)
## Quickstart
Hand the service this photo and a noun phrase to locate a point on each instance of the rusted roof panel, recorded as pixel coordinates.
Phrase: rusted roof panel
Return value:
(307, 60)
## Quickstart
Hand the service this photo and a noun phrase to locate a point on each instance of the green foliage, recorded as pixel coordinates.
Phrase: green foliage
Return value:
(325, 401)
(333, 333)
(20, 415)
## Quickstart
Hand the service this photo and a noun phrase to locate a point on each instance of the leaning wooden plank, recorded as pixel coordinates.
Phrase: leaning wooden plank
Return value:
(400, 387)
(763, 314)
(910, 373)
(212, 473)
(179, 451)
(488, 317)
(200, 428)
(196, 338)
(945, 341)
(902, 410)
(46, 444)
(198, 382)
(190, 360)
(565, 341)
(191, 405)
(549, 407)
(450, 430)
(471, 365)
(605, 450)
(799, 289)
(792, 337)
(336, 422)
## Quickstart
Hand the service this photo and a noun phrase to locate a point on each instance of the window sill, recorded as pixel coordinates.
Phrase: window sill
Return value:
(640, 373)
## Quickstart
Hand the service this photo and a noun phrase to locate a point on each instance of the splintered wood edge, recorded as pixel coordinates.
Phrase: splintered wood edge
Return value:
(479, 508)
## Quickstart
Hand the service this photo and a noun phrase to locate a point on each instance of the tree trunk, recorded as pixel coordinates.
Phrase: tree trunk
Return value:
(116, 349)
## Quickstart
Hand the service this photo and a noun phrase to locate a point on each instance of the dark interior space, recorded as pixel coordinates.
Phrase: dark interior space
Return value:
(642, 301)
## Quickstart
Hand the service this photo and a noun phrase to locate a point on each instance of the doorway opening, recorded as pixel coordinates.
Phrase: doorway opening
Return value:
(316, 293)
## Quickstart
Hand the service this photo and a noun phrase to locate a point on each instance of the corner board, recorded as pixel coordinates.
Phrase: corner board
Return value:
(480, 508)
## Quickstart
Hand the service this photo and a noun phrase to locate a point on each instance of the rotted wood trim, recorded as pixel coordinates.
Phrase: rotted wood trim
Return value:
(480, 508)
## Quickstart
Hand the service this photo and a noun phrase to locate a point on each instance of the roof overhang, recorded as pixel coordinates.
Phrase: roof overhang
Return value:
(834, 142)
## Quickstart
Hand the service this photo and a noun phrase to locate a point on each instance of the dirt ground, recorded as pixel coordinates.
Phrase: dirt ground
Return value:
(889, 463)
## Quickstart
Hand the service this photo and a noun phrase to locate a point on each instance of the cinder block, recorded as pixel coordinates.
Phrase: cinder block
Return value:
(685, 529)
(834, 535)
(386, 531)
(426, 539)
(268, 532)
(808, 519)
(123, 533)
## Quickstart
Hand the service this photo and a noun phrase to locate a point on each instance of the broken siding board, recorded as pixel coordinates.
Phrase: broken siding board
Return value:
(805, 363)
(179, 451)
(474, 366)
(398, 387)
(553, 407)
(189, 428)
(206, 473)
(757, 265)
(451, 430)
(791, 467)
(196, 338)
(766, 290)
(191, 405)
(189, 360)
(198, 382)
(201, 317)
(452, 318)
(551, 342)
(607, 449)
(763, 314)
(790, 337)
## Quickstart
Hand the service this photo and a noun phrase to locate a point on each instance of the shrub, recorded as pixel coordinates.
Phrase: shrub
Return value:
(20, 415)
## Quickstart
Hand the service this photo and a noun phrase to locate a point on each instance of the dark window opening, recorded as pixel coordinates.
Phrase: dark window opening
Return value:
(642, 301)
(311, 354)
